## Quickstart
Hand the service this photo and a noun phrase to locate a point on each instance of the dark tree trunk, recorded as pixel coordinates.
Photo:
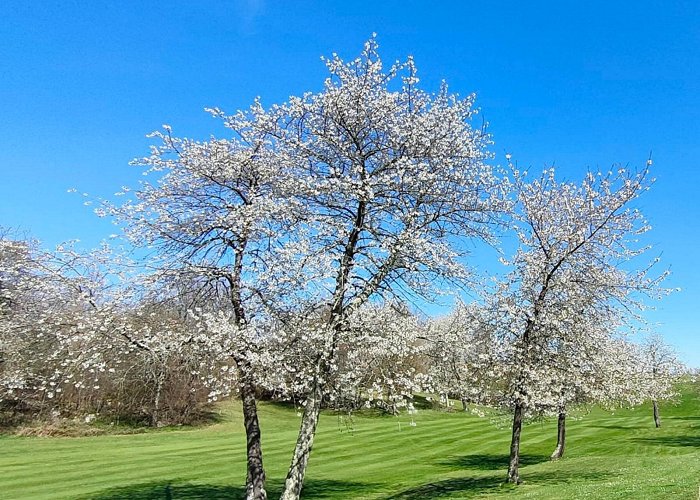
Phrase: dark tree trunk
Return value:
(255, 474)
(255, 477)
(513, 472)
(561, 436)
(297, 469)
(657, 418)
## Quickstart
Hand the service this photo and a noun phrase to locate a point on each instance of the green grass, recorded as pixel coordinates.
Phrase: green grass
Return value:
(446, 455)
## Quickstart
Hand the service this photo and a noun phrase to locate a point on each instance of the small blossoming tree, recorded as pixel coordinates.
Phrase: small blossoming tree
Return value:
(575, 278)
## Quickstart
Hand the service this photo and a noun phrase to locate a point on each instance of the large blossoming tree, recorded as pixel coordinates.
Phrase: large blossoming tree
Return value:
(356, 194)
(394, 178)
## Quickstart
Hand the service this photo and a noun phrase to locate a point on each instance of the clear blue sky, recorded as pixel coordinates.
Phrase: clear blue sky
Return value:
(571, 83)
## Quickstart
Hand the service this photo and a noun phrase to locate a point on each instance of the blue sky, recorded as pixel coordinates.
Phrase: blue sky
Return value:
(575, 84)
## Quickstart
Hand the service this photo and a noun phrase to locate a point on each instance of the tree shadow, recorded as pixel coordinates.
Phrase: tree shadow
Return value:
(471, 487)
(175, 490)
(490, 462)
(170, 490)
(465, 486)
(425, 402)
(330, 488)
(564, 477)
(693, 441)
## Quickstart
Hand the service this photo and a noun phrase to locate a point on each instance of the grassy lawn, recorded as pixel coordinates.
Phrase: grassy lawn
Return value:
(446, 455)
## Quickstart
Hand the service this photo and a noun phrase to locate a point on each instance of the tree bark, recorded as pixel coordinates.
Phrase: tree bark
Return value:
(155, 415)
(255, 474)
(513, 472)
(657, 418)
(255, 477)
(305, 440)
(297, 469)
(561, 436)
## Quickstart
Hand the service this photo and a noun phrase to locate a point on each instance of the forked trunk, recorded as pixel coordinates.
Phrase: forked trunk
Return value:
(297, 469)
(513, 472)
(255, 477)
(657, 418)
(561, 436)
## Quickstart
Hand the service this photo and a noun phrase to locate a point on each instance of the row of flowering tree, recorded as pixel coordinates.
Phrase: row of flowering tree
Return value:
(552, 334)
(81, 333)
(286, 254)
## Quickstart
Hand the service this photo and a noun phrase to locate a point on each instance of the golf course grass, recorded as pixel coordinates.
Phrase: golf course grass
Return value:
(445, 455)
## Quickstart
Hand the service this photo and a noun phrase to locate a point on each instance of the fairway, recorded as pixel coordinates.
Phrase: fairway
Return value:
(445, 455)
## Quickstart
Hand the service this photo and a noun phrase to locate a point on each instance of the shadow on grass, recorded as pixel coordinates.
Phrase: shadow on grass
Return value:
(490, 462)
(425, 403)
(168, 491)
(465, 486)
(470, 487)
(693, 441)
(330, 488)
(174, 490)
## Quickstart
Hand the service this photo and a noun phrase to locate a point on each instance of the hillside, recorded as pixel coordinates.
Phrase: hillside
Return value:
(445, 455)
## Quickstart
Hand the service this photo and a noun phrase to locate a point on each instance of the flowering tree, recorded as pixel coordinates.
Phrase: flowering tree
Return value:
(78, 338)
(392, 176)
(463, 361)
(47, 307)
(312, 211)
(658, 371)
(378, 360)
(575, 277)
(598, 366)
(14, 307)
(221, 221)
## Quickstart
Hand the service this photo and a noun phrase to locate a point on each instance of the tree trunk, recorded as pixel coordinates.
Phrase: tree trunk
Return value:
(255, 477)
(513, 472)
(561, 436)
(657, 418)
(302, 450)
(155, 414)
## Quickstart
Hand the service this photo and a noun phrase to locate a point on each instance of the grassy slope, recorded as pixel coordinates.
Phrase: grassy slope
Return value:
(443, 456)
